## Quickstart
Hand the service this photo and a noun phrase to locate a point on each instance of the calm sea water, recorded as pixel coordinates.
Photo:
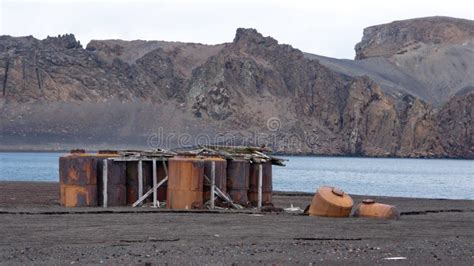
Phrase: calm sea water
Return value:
(427, 178)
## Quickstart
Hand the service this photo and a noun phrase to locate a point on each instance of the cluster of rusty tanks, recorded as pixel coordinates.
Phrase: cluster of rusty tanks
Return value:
(177, 180)
(333, 202)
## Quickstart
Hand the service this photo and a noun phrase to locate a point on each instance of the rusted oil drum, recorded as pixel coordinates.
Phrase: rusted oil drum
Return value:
(238, 180)
(267, 185)
(81, 180)
(78, 180)
(372, 209)
(220, 175)
(331, 202)
(116, 180)
(185, 182)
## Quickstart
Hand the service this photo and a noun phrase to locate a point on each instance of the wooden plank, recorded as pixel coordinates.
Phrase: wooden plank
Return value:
(213, 183)
(260, 185)
(104, 183)
(142, 198)
(164, 166)
(140, 178)
(155, 190)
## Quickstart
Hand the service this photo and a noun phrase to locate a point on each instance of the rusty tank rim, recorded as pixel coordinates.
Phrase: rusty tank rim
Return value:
(328, 193)
(368, 201)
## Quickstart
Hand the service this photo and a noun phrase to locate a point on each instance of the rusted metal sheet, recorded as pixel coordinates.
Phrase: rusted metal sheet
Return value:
(81, 183)
(238, 180)
(78, 180)
(78, 196)
(220, 174)
(267, 183)
(77, 151)
(331, 202)
(185, 183)
(107, 152)
(116, 181)
(78, 170)
(370, 208)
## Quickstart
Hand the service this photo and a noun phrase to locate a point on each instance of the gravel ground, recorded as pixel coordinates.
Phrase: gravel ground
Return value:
(35, 230)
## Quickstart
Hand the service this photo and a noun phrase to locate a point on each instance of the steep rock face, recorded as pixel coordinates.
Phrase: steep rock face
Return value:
(115, 93)
(400, 36)
(345, 115)
(455, 124)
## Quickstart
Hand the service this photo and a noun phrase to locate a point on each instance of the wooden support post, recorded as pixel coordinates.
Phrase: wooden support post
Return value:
(155, 189)
(104, 183)
(260, 185)
(213, 183)
(164, 166)
(140, 178)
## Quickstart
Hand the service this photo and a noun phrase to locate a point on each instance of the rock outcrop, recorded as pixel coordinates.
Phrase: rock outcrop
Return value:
(402, 36)
(252, 91)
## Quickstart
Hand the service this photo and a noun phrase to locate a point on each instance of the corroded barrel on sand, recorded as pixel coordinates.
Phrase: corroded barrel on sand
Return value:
(78, 180)
(331, 202)
(370, 208)
(267, 184)
(185, 182)
(81, 180)
(220, 175)
(238, 180)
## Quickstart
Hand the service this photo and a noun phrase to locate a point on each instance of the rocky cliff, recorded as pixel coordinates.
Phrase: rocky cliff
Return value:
(253, 90)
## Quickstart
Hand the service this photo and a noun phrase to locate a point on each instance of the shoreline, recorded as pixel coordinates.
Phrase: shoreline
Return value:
(277, 192)
(36, 230)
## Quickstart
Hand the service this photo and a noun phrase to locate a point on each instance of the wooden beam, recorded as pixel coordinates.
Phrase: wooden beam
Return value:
(104, 183)
(213, 183)
(155, 190)
(142, 198)
(140, 178)
(260, 185)
(164, 166)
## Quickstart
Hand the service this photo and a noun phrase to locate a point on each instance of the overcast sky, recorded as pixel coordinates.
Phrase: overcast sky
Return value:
(329, 28)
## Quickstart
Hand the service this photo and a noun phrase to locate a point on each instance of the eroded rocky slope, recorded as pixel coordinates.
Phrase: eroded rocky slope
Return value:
(253, 90)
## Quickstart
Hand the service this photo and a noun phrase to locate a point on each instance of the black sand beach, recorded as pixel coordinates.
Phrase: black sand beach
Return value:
(35, 229)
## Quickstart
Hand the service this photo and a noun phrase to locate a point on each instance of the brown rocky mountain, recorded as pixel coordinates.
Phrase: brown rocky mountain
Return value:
(114, 93)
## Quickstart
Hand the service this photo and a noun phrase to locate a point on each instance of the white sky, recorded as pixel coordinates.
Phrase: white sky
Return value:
(329, 28)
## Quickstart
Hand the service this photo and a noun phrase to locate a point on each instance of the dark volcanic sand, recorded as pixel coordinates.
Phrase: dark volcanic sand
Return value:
(34, 229)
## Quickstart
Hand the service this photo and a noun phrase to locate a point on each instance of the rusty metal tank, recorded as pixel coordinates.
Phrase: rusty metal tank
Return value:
(220, 175)
(185, 182)
(267, 183)
(238, 180)
(370, 208)
(116, 182)
(78, 180)
(331, 202)
(81, 180)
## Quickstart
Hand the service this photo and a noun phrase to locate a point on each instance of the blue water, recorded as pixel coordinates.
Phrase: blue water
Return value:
(426, 178)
